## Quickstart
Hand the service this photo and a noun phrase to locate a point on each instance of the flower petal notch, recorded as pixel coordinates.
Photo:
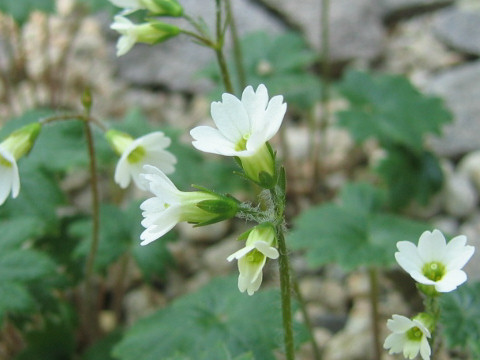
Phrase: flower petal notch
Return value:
(244, 126)
(434, 264)
(259, 246)
(134, 154)
(170, 206)
(409, 336)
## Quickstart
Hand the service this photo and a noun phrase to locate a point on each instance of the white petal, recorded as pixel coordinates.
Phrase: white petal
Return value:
(162, 225)
(15, 179)
(451, 280)
(255, 104)
(231, 118)
(156, 139)
(240, 253)
(266, 249)
(125, 43)
(122, 172)
(274, 116)
(210, 140)
(411, 349)
(395, 343)
(161, 159)
(431, 246)
(399, 324)
(425, 350)
(457, 253)
(6, 175)
(422, 279)
(408, 257)
(254, 286)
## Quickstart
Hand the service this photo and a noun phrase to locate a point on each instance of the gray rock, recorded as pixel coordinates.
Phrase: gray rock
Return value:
(459, 29)
(460, 87)
(175, 64)
(356, 31)
(459, 195)
(396, 8)
(471, 229)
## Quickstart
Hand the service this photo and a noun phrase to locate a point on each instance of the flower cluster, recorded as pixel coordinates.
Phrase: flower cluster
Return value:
(437, 268)
(150, 32)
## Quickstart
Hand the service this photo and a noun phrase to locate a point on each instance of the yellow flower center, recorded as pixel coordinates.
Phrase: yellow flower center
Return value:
(434, 270)
(136, 155)
(254, 256)
(242, 144)
(414, 334)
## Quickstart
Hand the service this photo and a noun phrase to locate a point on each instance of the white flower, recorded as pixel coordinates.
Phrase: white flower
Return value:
(9, 178)
(243, 129)
(146, 150)
(408, 336)
(156, 7)
(434, 262)
(171, 206)
(252, 258)
(149, 33)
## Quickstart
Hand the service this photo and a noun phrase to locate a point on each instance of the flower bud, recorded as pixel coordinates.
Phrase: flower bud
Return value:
(21, 141)
(163, 7)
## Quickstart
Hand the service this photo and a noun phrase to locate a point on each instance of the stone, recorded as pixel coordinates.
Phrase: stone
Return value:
(471, 229)
(470, 166)
(176, 63)
(215, 257)
(459, 195)
(398, 8)
(355, 31)
(459, 87)
(459, 29)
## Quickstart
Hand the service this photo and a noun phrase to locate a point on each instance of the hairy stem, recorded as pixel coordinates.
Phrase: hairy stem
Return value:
(222, 63)
(375, 317)
(237, 49)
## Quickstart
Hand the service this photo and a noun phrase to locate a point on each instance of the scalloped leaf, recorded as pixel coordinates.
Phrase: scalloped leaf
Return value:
(349, 234)
(201, 324)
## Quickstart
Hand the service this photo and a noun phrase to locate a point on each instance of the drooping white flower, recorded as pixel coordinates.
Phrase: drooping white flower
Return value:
(134, 154)
(149, 33)
(170, 206)
(409, 336)
(244, 126)
(9, 178)
(434, 262)
(252, 258)
(16, 145)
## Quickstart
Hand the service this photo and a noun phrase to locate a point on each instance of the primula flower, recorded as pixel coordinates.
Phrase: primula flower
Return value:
(409, 336)
(252, 258)
(156, 7)
(151, 33)
(134, 154)
(16, 145)
(434, 262)
(243, 129)
(171, 206)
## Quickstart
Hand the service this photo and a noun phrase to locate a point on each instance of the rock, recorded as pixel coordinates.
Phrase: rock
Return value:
(141, 302)
(471, 229)
(398, 8)
(299, 142)
(356, 30)
(459, 195)
(209, 233)
(470, 166)
(459, 87)
(459, 29)
(215, 257)
(176, 63)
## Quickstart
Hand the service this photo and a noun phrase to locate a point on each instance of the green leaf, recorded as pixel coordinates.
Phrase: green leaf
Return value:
(15, 231)
(20, 9)
(460, 318)
(349, 234)
(114, 236)
(14, 298)
(24, 265)
(215, 317)
(102, 349)
(390, 109)
(410, 176)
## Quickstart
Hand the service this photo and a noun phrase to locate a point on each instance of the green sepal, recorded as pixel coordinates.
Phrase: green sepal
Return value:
(217, 206)
(244, 235)
(170, 7)
(210, 221)
(238, 161)
(266, 181)
(428, 290)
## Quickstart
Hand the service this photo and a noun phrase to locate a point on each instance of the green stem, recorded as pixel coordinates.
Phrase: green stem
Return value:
(316, 349)
(375, 317)
(219, 49)
(278, 198)
(237, 49)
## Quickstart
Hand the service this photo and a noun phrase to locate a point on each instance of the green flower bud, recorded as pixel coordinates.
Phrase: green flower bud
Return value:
(20, 142)
(163, 7)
